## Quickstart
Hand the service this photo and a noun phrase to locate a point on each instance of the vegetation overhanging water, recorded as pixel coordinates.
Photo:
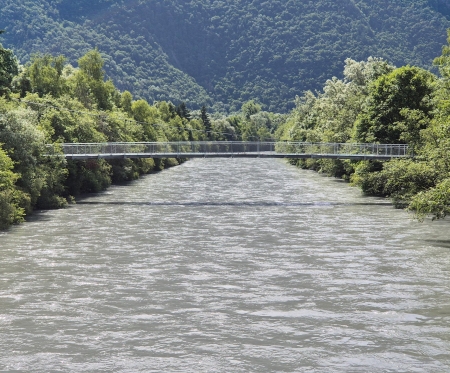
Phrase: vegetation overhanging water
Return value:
(50, 101)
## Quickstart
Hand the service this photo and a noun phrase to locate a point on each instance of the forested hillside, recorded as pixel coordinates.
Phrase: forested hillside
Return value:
(207, 52)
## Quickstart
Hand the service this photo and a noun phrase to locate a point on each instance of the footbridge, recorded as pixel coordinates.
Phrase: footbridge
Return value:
(229, 149)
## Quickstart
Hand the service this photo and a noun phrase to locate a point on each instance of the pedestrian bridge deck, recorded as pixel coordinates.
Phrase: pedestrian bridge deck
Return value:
(229, 149)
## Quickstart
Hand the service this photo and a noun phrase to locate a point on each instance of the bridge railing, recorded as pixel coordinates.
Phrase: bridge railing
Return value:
(184, 148)
(181, 147)
(342, 148)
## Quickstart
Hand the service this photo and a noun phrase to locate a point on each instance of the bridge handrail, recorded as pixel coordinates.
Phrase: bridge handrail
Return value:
(186, 147)
(342, 148)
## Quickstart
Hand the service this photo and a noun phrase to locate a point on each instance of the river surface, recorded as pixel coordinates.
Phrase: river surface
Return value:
(225, 265)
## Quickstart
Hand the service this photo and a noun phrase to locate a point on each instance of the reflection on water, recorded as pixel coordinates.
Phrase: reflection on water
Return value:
(226, 266)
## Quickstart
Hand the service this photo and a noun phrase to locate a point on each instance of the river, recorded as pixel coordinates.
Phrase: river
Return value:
(226, 265)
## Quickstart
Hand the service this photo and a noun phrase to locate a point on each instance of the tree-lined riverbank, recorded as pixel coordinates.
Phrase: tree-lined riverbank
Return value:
(49, 101)
(379, 103)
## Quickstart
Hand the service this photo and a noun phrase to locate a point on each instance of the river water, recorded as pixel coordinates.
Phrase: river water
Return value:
(225, 265)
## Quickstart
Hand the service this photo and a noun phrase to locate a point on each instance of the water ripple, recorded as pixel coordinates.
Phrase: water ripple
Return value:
(226, 266)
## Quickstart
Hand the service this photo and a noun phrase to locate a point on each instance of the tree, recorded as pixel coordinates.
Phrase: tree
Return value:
(126, 100)
(10, 197)
(89, 81)
(25, 142)
(249, 108)
(362, 73)
(9, 68)
(92, 65)
(183, 111)
(22, 83)
(223, 130)
(45, 73)
(394, 100)
(399, 179)
(147, 116)
(206, 121)
(443, 61)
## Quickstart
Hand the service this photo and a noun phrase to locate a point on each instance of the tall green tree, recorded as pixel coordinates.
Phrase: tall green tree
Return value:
(147, 116)
(92, 65)
(394, 100)
(206, 121)
(183, 111)
(9, 68)
(45, 73)
(249, 108)
(90, 81)
(126, 101)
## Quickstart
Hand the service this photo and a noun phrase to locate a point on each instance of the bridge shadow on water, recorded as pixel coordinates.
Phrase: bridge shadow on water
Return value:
(233, 204)
(439, 243)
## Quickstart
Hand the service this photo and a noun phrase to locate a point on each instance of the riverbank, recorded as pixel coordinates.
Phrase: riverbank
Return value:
(378, 103)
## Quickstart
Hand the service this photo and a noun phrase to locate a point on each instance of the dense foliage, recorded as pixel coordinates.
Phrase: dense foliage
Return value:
(49, 101)
(225, 53)
(149, 71)
(377, 103)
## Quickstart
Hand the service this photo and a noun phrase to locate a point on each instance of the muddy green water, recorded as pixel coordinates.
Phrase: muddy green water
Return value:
(223, 265)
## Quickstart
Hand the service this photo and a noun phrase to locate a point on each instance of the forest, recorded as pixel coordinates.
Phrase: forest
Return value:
(223, 53)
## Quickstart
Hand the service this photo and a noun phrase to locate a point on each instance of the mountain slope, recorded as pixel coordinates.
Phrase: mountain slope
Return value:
(205, 51)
